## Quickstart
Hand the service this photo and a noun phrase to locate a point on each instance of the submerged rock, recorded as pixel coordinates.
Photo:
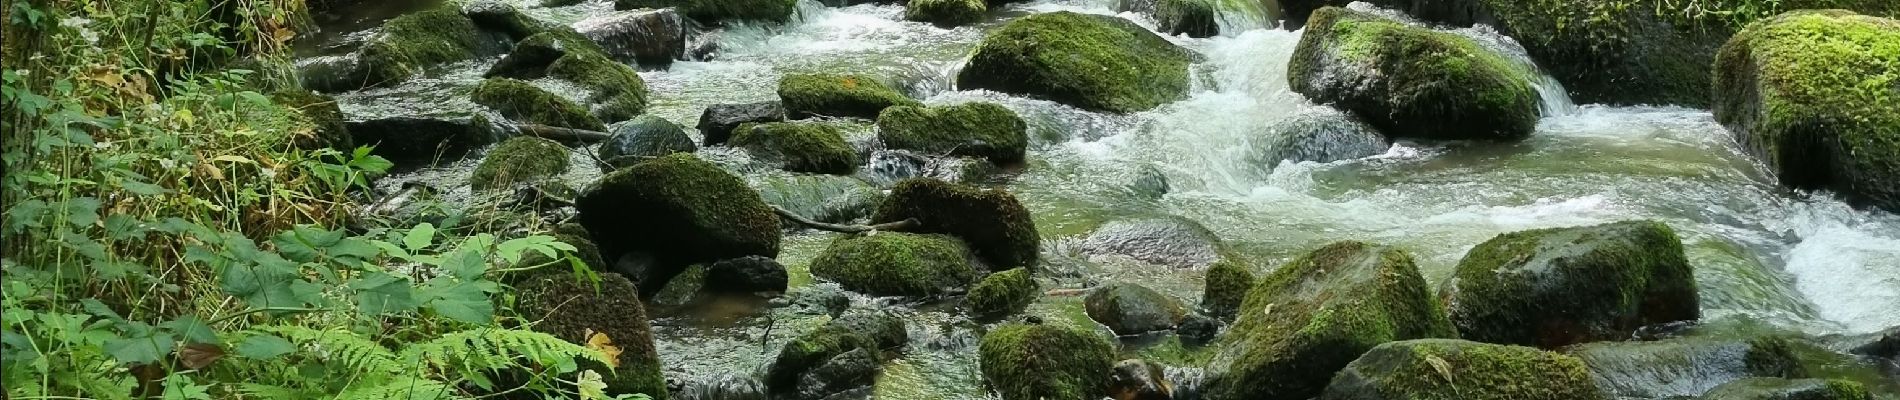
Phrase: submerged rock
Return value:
(822, 198)
(1225, 287)
(1788, 389)
(1322, 135)
(571, 307)
(835, 95)
(1137, 379)
(680, 209)
(532, 56)
(895, 264)
(1194, 18)
(749, 274)
(1458, 369)
(1169, 241)
(828, 360)
(1555, 287)
(946, 13)
(519, 159)
(1002, 293)
(524, 102)
(643, 138)
(716, 12)
(813, 147)
(1197, 330)
(1130, 309)
(1686, 366)
(1106, 63)
(413, 42)
(411, 141)
(616, 92)
(718, 121)
(976, 129)
(1031, 362)
(992, 222)
(648, 37)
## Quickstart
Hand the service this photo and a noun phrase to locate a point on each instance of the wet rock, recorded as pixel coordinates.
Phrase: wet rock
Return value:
(413, 42)
(964, 170)
(946, 13)
(1002, 294)
(532, 56)
(1555, 287)
(413, 204)
(1225, 287)
(992, 222)
(835, 95)
(1170, 241)
(749, 274)
(1411, 81)
(1149, 183)
(819, 299)
(1130, 309)
(1321, 135)
(1197, 330)
(502, 17)
(1029, 362)
(720, 12)
(822, 198)
(519, 159)
(1194, 18)
(643, 138)
(1307, 319)
(331, 74)
(855, 369)
(718, 121)
(1793, 88)
(814, 147)
(682, 210)
(1136, 379)
(1686, 366)
(883, 328)
(1112, 64)
(540, 196)
(1458, 369)
(414, 141)
(570, 307)
(1788, 389)
(521, 101)
(648, 37)
(322, 115)
(1885, 345)
(977, 129)
(804, 367)
(895, 264)
(615, 91)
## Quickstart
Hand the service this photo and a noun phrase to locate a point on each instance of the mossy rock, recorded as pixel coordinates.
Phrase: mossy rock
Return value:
(1227, 283)
(643, 138)
(1685, 366)
(1036, 362)
(413, 42)
(798, 146)
(811, 352)
(617, 92)
(1463, 370)
(1171, 241)
(1560, 286)
(531, 56)
(1306, 320)
(822, 198)
(1194, 18)
(1131, 309)
(502, 17)
(1411, 81)
(992, 222)
(896, 264)
(418, 141)
(569, 307)
(680, 209)
(321, 115)
(519, 159)
(1813, 94)
(976, 129)
(717, 121)
(720, 11)
(1789, 389)
(946, 13)
(838, 95)
(521, 101)
(1001, 294)
(1095, 62)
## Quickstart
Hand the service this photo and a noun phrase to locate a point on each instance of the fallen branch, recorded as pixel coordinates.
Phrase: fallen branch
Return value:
(907, 225)
(564, 135)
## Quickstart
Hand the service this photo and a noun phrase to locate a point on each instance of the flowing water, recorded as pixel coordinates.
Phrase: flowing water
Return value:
(1791, 261)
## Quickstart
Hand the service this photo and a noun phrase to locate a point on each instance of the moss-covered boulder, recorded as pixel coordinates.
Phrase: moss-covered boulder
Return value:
(418, 141)
(524, 102)
(1813, 94)
(896, 264)
(946, 13)
(1096, 62)
(1789, 389)
(1002, 293)
(1194, 18)
(1555, 287)
(680, 209)
(571, 307)
(992, 222)
(838, 95)
(810, 366)
(616, 92)
(1321, 135)
(642, 138)
(813, 147)
(1458, 369)
(413, 42)
(531, 56)
(717, 121)
(720, 11)
(746, 275)
(1035, 362)
(1411, 81)
(1312, 316)
(321, 114)
(1686, 366)
(519, 159)
(1225, 287)
(1130, 309)
(647, 37)
(971, 129)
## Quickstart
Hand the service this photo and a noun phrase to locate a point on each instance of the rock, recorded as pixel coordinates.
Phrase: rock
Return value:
(498, 16)
(648, 37)
(857, 96)
(718, 121)
(524, 102)
(1197, 330)
(519, 159)
(883, 328)
(1321, 135)
(1685, 366)
(720, 11)
(1458, 369)
(971, 129)
(570, 307)
(822, 198)
(895, 264)
(946, 13)
(1149, 183)
(749, 274)
(1411, 81)
(1194, 18)
(855, 369)
(643, 138)
(322, 115)
(1885, 344)
(1801, 93)
(1168, 241)
(819, 299)
(801, 371)
(532, 56)
(584, 248)
(413, 42)
(1106, 63)
(813, 147)
(539, 196)
(680, 209)
(1788, 389)
(1555, 287)
(1225, 287)
(1136, 379)
(1030, 362)
(423, 140)
(1130, 309)
(1306, 320)
(1002, 294)
(992, 222)
(617, 92)
(331, 74)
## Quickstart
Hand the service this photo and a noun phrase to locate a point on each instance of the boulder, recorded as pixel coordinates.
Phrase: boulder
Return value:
(532, 56)
(1306, 320)
(1168, 241)
(1458, 369)
(971, 129)
(835, 95)
(749, 274)
(885, 329)
(992, 222)
(1321, 135)
(1788, 389)
(1812, 94)
(423, 140)
(715, 12)
(571, 307)
(946, 13)
(813, 147)
(1137, 379)
(647, 37)
(1412, 81)
(1194, 18)
(822, 198)
(616, 91)
(1555, 287)
(1225, 287)
(1130, 309)
(1149, 183)
(1002, 293)
(814, 364)
(1883, 345)
(643, 138)
(718, 121)
(322, 115)
(895, 264)
(413, 42)
(1197, 330)
(1095, 62)
(1032, 362)
(519, 159)
(501, 17)
(521, 101)
(1685, 366)
(680, 209)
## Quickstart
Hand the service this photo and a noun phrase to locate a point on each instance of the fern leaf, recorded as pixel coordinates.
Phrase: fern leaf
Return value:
(494, 349)
(403, 388)
(342, 346)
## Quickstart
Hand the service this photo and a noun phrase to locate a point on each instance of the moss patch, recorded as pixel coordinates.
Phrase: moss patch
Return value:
(681, 209)
(1002, 293)
(971, 129)
(798, 147)
(1096, 62)
(618, 93)
(994, 224)
(1788, 389)
(895, 264)
(1029, 362)
(836, 95)
(568, 307)
(720, 11)
(946, 13)
(1457, 369)
(519, 159)
(1227, 283)
(1560, 286)
(524, 102)
(412, 42)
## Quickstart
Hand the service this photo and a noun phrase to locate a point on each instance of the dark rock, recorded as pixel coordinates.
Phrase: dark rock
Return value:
(682, 210)
(802, 369)
(749, 274)
(852, 370)
(1110, 64)
(992, 222)
(883, 328)
(532, 56)
(648, 37)
(421, 141)
(1130, 309)
(822, 198)
(643, 138)
(1031, 362)
(1197, 330)
(1885, 345)
(1555, 287)
(411, 43)
(1225, 287)
(721, 11)
(1194, 18)
(570, 307)
(1321, 135)
(1149, 183)
(819, 299)
(1137, 379)
(498, 16)
(719, 120)
(1686, 366)
(1458, 369)
(1788, 389)
(1170, 241)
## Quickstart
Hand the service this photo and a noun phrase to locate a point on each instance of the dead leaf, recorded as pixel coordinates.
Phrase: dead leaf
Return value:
(605, 345)
(199, 355)
(1443, 367)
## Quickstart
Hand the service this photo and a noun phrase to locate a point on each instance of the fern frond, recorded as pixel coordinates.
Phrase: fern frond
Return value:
(342, 346)
(263, 391)
(402, 388)
(494, 349)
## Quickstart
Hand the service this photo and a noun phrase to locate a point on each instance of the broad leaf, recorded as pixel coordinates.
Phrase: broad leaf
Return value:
(461, 301)
(419, 237)
(265, 282)
(191, 328)
(140, 349)
(264, 347)
(380, 293)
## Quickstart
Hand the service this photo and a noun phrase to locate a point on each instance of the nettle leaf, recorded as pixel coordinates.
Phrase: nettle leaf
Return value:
(380, 293)
(306, 243)
(25, 214)
(461, 301)
(142, 188)
(465, 263)
(264, 347)
(192, 329)
(265, 282)
(115, 269)
(352, 248)
(140, 349)
(124, 227)
(419, 237)
(181, 387)
(81, 212)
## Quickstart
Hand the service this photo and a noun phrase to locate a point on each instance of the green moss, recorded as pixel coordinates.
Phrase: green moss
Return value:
(1096, 62)
(1131, 309)
(971, 129)
(808, 95)
(1788, 389)
(519, 159)
(569, 307)
(681, 209)
(798, 147)
(320, 121)
(1030, 362)
(809, 351)
(994, 224)
(618, 92)
(1312, 316)
(895, 264)
(1555, 287)
(946, 13)
(412, 42)
(1226, 286)
(721, 11)
(524, 102)
(1195, 18)
(1002, 293)
(1447, 369)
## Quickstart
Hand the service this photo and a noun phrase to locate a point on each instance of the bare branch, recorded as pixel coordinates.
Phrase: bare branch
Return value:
(564, 135)
(907, 225)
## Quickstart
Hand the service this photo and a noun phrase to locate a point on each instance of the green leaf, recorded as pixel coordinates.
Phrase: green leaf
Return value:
(142, 188)
(122, 227)
(264, 347)
(263, 283)
(115, 269)
(181, 387)
(419, 237)
(193, 329)
(352, 248)
(140, 349)
(461, 301)
(465, 264)
(306, 243)
(380, 293)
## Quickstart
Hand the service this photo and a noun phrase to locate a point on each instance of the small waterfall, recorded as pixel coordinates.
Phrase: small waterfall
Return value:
(724, 386)
(1555, 101)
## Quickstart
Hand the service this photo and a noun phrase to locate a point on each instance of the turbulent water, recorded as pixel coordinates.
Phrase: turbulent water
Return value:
(1794, 261)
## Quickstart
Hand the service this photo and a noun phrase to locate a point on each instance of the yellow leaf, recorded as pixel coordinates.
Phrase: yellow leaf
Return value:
(283, 34)
(1439, 364)
(233, 158)
(592, 386)
(600, 342)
